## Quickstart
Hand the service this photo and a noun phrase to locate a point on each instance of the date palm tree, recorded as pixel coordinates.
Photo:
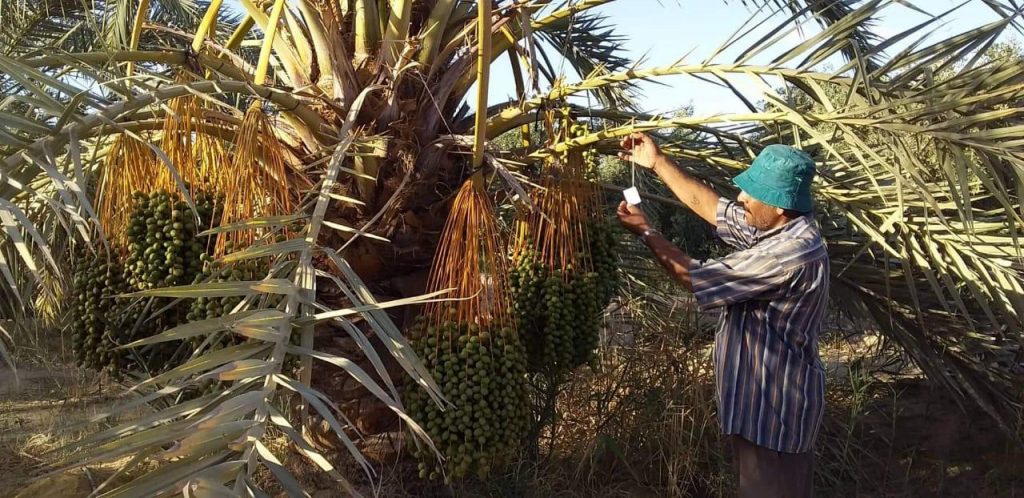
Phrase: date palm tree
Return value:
(369, 106)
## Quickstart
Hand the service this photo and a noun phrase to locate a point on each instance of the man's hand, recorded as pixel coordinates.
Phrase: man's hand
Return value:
(640, 148)
(632, 218)
(697, 196)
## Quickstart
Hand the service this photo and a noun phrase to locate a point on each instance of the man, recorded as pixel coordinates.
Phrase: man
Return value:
(770, 384)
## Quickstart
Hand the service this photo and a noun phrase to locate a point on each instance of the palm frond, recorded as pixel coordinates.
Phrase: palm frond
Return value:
(27, 27)
(117, 16)
(5, 341)
(590, 46)
(831, 12)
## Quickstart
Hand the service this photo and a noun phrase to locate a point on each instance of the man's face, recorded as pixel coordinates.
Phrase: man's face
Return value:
(760, 215)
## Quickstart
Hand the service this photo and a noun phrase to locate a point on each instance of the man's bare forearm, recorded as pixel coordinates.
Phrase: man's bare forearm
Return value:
(699, 197)
(672, 258)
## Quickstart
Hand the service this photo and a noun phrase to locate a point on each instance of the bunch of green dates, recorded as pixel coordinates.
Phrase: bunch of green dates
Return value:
(164, 248)
(96, 322)
(558, 312)
(481, 372)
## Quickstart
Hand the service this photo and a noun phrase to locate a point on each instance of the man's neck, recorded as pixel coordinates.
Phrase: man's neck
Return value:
(782, 221)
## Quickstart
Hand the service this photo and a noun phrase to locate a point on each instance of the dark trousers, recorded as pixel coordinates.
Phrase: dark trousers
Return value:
(766, 473)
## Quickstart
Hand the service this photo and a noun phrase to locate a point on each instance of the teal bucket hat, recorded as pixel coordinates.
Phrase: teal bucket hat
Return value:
(780, 176)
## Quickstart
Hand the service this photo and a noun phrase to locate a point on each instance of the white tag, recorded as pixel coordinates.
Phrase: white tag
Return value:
(632, 196)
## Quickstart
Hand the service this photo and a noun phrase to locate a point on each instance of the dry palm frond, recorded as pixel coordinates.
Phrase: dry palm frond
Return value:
(130, 167)
(469, 260)
(256, 184)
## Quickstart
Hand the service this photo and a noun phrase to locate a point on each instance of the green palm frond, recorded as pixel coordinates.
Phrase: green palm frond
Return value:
(567, 27)
(175, 23)
(830, 12)
(589, 44)
(116, 16)
(27, 27)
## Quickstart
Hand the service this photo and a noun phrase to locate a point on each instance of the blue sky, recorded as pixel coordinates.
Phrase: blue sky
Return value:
(662, 31)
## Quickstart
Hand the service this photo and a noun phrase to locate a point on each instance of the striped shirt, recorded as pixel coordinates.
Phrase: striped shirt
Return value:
(770, 383)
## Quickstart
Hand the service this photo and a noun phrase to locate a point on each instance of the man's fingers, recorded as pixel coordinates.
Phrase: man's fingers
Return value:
(634, 140)
(623, 208)
(625, 156)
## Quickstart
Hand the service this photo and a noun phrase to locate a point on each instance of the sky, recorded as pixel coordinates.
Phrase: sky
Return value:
(663, 31)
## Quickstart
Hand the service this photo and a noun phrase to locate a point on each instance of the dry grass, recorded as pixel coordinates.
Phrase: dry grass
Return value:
(645, 419)
(34, 415)
(39, 414)
(642, 425)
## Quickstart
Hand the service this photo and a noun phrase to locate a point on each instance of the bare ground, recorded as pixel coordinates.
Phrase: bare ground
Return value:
(34, 415)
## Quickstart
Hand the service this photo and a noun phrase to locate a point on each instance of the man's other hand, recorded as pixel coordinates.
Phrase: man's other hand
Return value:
(632, 218)
(640, 148)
